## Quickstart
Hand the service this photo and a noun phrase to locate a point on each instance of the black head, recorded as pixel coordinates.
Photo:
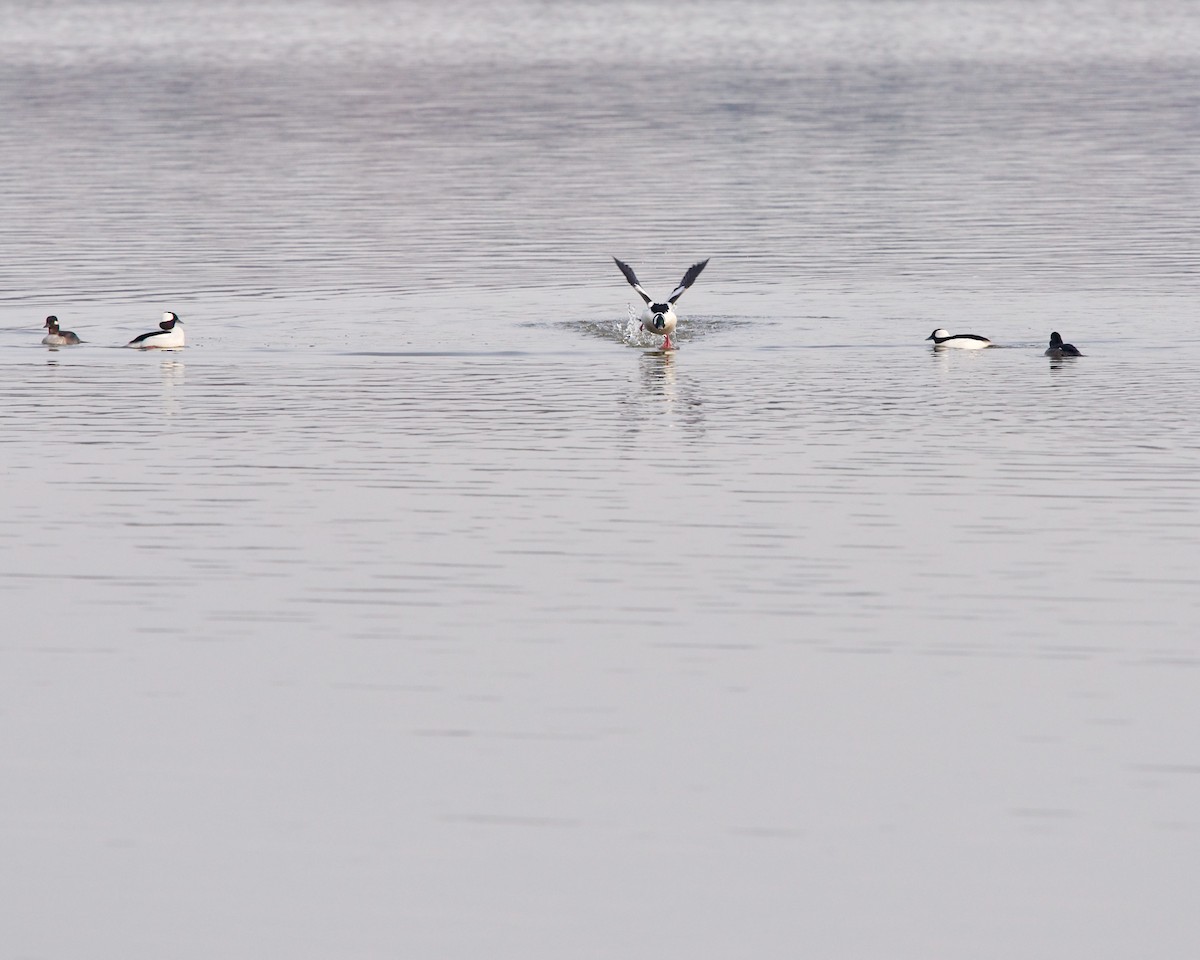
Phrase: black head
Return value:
(169, 320)
(51, 323)
(659, 323)
(1055, 339)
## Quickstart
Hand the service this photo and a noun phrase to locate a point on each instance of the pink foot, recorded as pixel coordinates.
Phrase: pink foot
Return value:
(667, 343)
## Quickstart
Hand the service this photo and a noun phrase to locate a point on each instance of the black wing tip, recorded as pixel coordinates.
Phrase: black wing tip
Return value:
(631, 278)
(688, 279)
(626, 269)
(692, 273)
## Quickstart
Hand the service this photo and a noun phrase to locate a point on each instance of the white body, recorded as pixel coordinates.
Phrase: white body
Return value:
(669, 320)
(60, 339)
(961, 341)
(170, 337)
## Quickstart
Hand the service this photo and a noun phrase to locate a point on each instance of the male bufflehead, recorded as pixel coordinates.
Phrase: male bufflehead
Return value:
(1059, 349)
(170, 337)
(660, 317)
(55, 337)
(964, 341)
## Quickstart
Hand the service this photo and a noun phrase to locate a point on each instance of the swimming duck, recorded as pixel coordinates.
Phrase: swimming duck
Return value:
(56, 337)
(660, 318)
(1059, 349)
(169, 337)
(964, 341)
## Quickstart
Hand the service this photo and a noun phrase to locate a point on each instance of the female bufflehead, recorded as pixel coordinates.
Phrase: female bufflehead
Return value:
(170, 337)
(1059, 349)
(55, 337)
(660, 317)
(964, 341)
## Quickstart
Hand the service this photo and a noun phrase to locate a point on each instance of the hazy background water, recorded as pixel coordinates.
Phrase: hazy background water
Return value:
(421, 608)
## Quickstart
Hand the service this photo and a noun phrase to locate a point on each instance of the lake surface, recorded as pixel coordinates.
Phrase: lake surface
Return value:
(423, 607)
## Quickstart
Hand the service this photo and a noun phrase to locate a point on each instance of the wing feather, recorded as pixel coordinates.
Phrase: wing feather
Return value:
(688, 279)
(632, 278)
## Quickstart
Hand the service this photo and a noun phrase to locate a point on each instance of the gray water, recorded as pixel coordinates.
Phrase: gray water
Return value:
(423, 607)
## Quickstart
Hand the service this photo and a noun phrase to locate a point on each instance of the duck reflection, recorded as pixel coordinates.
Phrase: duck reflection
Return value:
(171, 373)
(1057, 363)
(659, 377)
(942, 358)
(664, 390)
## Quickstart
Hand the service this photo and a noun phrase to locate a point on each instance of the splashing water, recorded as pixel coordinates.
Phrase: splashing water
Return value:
(628, 330)
(632, 333)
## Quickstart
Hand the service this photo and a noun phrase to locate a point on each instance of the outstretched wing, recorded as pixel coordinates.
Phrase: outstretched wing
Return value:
(688, 279)
(632, 278)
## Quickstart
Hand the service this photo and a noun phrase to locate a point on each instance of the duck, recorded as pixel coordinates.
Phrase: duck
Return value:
(1059, 349)
(56, 337)
(168, 337)
(963, 341)
(660, 318)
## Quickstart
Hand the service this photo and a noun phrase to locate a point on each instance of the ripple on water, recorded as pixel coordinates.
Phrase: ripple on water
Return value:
(408, 561)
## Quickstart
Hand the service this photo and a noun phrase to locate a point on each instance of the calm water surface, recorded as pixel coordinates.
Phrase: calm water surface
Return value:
(421, 607)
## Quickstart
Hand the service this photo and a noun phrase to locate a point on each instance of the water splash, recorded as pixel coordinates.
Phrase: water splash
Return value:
(632, 333)
(628, 330)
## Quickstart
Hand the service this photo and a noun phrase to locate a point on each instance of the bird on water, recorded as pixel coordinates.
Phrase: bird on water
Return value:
(962, 341)
(55, 337)
(169, 336)
(660, 317)
(1059, 349)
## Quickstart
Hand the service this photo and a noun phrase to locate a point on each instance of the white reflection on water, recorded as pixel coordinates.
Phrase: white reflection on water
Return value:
(657, 612)
(739, 465)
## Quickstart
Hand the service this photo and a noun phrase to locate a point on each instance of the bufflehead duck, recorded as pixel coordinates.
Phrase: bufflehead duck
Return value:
(1059, 349)
(660, 318)
(964, 341)
(55, 337)
(169, 337)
